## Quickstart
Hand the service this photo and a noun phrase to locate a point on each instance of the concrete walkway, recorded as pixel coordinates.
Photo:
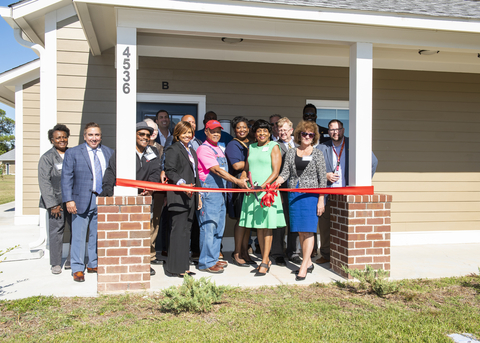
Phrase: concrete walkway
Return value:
(25, 278)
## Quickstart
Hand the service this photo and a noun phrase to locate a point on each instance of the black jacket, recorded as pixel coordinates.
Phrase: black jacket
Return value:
(147, 170)
(177, 167)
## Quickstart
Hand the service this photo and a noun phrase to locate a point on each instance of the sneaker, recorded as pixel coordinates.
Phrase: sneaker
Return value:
(56, 269)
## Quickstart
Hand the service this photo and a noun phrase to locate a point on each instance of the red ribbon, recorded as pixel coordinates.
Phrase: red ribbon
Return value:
(269, 198)
(156, 186)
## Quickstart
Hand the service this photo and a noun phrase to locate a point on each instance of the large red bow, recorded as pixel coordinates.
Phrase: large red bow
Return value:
(271, 192)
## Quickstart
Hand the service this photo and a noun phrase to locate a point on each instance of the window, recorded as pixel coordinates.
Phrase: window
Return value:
(332, 109)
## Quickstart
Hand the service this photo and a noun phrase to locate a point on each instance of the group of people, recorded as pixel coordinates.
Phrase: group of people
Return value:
(190, 224)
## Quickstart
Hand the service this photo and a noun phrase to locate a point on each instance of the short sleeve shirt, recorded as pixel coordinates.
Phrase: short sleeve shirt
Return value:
(207, 158)
(235, 152)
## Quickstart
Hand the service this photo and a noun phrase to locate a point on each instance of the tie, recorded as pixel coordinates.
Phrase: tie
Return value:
(290, 146)
(98, 172)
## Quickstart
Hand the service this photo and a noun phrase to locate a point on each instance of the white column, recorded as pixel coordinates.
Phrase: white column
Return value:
(126, 62)
(360, 162)
(18, 154)
(48, 81)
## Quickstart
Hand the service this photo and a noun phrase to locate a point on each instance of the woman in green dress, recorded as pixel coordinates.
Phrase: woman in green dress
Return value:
(262, 168)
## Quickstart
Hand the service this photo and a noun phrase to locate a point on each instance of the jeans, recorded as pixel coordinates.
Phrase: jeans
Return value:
(211, 219)
(80, 224)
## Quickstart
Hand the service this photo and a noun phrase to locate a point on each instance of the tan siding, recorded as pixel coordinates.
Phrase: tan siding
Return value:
(86, 85)
(426, 135)
(31, 150)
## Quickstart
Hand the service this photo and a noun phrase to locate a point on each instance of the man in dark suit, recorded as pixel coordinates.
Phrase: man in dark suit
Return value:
(83, 170)
(336, 153)
(310, 113)
(286, 142)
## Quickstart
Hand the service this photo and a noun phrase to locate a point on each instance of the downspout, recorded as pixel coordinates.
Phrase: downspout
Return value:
(17, 33)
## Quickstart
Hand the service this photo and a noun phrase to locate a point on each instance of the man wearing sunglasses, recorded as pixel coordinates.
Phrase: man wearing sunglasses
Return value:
(310, 113)
(148, 162)
(336, 156)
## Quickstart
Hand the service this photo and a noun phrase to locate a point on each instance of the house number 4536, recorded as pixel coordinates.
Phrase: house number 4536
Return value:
(126, 70)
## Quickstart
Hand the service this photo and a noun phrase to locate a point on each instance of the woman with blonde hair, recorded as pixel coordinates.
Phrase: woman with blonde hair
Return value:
(304, 167)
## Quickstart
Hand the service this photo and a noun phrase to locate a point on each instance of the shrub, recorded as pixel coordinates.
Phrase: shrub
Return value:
(374, 281)
(192, 296)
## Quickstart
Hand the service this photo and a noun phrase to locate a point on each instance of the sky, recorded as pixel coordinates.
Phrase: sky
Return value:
(12, 54)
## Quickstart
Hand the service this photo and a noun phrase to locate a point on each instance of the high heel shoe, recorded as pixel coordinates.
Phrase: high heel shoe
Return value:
(262, 265)
(300, 278)
(309, 270)
(235, 262)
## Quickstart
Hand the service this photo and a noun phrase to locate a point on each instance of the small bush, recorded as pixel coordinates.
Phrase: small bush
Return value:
(374, 281)
(192, 296)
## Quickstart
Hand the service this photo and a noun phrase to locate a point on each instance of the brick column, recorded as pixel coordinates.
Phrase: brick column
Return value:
(360, 232)
(123, 243)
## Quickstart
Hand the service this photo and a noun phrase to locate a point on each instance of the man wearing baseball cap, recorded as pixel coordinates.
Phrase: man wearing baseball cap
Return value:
(148, 164)
(213, 172)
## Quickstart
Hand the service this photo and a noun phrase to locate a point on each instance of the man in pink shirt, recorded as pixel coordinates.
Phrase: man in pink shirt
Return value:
(213, 172)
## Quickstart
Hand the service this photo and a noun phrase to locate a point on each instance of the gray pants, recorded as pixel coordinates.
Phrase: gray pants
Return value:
(57, 227)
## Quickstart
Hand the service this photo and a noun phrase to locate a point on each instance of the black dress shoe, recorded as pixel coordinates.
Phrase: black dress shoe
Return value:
(280, 261)
(156, 261)
(152, 271)
(296, 260)
(67, 265)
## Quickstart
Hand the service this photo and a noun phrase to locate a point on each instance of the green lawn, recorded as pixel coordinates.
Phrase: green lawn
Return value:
(422, 311)
(7, 189)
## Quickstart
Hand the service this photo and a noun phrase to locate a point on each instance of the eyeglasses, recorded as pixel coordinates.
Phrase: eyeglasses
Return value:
(335, 130)
(143, 134)
(309, 114)
(308, 134)
(284, 131)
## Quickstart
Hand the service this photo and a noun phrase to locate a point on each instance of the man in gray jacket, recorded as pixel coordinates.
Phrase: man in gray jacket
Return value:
(336, 155)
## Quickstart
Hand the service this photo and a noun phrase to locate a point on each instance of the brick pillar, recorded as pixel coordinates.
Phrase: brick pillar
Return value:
(360, 232)
(123, 243)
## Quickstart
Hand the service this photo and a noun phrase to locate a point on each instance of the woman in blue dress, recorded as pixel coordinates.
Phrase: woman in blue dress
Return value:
(305, 168)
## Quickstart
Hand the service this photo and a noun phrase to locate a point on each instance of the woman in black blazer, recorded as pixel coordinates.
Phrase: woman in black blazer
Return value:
(181, 168)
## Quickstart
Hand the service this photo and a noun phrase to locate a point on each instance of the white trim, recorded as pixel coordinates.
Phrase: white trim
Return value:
(87, 26)
(23, 74)
(26, 220)
(434, 237)
(360, 114)
(48, 81)
(126, 105)
(302, 13)
(199, 100)
(19, 154)
(330, 104)
(66, 12)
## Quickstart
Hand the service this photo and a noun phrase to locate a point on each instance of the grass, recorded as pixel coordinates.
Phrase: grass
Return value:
(422, 311)
(7, 189)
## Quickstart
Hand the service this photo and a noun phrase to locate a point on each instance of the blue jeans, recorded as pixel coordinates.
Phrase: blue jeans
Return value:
(80, 224)
(211, 220)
